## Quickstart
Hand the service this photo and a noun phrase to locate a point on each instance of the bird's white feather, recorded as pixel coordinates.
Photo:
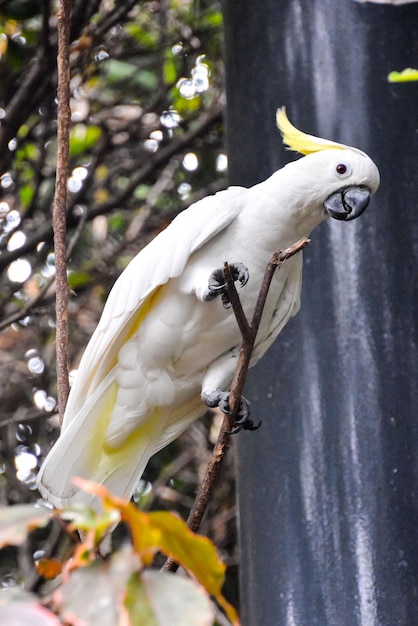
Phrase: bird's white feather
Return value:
(159, 344)
(165, 257)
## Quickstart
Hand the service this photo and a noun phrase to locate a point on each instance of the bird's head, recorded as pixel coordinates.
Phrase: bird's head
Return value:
(342, 178)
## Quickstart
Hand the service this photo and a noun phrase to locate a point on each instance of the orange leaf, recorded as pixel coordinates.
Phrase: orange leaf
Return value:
(49, 568)
(165, 532)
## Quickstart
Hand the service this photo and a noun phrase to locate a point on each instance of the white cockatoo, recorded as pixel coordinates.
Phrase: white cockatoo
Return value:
(165, 346)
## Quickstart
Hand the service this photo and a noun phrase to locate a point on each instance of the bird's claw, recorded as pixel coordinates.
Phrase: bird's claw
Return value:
(239, 273)
(218, 287)
(246, 425)
(220, 399)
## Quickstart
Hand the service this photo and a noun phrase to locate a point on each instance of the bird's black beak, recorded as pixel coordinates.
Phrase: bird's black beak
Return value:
(348, 203)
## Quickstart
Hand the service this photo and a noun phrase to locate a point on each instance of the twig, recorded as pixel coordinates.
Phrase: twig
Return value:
(45, 33)
(30, 416)
(113, 17)
(237, 386)
(152, 163)
(20, 314)
(249, 334)
(59, 218)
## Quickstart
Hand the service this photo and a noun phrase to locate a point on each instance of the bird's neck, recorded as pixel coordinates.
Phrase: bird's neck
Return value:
(279, 214)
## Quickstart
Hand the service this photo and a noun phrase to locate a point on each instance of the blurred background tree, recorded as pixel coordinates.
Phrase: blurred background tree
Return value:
(146, 141)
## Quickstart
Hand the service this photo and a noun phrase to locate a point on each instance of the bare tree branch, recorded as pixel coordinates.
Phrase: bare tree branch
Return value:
(59, 218)
(22, 102)
(249, 332)
(112, 18)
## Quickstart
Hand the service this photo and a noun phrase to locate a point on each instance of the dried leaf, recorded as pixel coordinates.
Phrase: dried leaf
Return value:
(49, 568)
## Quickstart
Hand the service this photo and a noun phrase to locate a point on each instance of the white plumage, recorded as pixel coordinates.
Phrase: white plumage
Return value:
(160, 343)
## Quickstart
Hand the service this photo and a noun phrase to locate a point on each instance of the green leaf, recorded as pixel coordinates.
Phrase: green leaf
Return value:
(120, 71)
(117, 222)
(165, 532)
(87, 519)
(141, 192)
(213, 19)
(195, 552)
(26, 194)
(138, 603)
(18, 520)
(170, 69)
(28, 151)
(406, 75)
(146, 79)
(78, 279)
(143, 34)
(103, 592)
(162, 599)
(83, 137)
(185, 106)
(94, 594)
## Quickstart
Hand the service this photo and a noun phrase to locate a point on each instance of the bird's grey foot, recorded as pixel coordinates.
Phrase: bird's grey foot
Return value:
(220, 399)
(217, 285)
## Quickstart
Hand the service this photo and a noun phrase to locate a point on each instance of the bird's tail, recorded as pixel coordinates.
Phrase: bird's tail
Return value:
(81, 451)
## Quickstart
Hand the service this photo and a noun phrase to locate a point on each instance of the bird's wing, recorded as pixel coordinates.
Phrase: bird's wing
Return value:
(80, 450)
(132, 295)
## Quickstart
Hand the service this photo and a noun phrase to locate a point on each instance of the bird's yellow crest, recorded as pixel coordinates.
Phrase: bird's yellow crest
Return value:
(302, 142)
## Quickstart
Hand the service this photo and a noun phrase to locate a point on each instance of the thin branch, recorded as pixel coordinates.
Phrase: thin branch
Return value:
(81, 14)
(151, 220)
(114, 17)
(243, 325)
(21, 313)
(153, 162)
(25, 97)
(237, 386)
(45, 33)
(59, 218)
(163, 155)
(24, 418)
(250, 333)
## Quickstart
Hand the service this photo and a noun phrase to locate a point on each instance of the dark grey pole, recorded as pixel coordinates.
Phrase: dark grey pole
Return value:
(328, 486)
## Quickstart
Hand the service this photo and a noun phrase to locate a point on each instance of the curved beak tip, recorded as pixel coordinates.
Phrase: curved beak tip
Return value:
(347, 204)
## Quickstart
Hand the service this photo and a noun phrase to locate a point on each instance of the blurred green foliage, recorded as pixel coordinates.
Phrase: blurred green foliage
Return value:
(123, 584)
(146, 90)
(407, 75)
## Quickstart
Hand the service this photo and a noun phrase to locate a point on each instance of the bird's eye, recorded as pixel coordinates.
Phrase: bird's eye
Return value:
(343, 169)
